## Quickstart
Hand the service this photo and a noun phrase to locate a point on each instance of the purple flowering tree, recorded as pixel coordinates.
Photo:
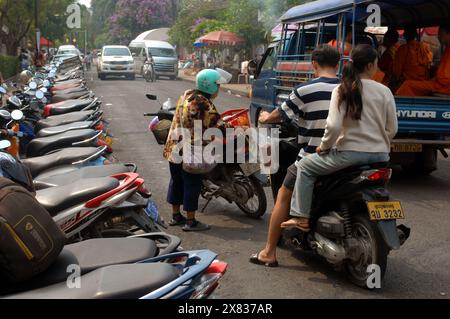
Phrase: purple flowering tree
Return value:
(133, 17)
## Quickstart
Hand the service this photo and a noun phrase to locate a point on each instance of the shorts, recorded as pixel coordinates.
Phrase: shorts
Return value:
(291, 177)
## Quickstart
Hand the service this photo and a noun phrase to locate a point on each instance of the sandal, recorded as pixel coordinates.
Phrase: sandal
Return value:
(254, 259)
(297, 223)
(178, 220)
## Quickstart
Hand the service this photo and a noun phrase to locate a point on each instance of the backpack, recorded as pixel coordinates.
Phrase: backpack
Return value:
(30, 241)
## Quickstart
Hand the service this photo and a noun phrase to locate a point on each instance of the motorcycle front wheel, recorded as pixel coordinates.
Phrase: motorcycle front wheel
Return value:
(373, 252)
(256, 206)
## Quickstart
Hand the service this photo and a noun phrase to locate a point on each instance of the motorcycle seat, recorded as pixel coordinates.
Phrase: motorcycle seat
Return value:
(57, 120)
(67, 156)
(77, 89)
(69, 81)
(69, 106)
(57, 199)
(69, 96)
(49, 131)
(130, 281)
(79, 174)
(90, 255)
(43, 145)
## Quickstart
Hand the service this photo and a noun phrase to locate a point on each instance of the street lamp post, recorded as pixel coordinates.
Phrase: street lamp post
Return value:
(36, 23)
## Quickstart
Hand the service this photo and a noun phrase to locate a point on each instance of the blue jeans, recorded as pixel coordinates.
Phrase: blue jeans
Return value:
(314, 166)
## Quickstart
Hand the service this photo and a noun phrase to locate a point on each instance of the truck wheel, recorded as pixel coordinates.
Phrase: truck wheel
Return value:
(424, 163)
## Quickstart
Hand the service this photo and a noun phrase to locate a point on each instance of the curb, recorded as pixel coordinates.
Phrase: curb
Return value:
(223, 89)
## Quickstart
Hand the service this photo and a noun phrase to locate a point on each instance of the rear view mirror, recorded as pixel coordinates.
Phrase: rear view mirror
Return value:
(151, 97)
(17, 115)
(32, 85)
(4, 144)
(2, 90)
(40, 94)
(5, 115)
(46, 83)
(133, 54)
(99, 54)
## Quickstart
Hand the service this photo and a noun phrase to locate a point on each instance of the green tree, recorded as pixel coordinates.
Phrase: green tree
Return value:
(102, 11)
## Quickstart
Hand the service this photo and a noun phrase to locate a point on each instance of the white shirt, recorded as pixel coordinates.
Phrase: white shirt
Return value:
(376, 129)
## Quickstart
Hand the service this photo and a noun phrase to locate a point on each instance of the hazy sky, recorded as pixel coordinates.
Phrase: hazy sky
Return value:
(85, 2)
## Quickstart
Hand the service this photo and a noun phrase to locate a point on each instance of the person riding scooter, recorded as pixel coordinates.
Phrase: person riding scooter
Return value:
(360, 127)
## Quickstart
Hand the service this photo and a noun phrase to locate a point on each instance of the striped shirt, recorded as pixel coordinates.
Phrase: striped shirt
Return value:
(308, 105)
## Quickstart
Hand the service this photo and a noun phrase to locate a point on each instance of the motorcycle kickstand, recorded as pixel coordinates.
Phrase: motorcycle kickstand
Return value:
(209, 201)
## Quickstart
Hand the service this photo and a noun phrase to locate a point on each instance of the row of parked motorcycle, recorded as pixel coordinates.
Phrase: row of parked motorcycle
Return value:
(56, 143)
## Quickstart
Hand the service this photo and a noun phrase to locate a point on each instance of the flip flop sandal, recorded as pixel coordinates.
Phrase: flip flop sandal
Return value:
(303, 227)
(254, 259)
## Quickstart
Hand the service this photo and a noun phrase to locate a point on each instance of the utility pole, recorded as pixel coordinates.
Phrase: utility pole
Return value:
(36, 24)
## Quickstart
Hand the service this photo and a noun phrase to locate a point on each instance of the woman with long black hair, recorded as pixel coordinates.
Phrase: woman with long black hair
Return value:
(361, 124)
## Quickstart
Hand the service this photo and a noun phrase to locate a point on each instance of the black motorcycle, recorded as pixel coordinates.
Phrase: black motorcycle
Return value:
(354, 220)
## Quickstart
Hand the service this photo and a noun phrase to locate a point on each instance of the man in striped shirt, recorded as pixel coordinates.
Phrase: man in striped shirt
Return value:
(308, 106)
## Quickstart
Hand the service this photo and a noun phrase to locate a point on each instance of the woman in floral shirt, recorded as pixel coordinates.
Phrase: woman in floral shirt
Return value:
(195, 105)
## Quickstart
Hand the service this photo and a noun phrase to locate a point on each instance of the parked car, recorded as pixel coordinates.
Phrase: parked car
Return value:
(163, 53)
(115, 60)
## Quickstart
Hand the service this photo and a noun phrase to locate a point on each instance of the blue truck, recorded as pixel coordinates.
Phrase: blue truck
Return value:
(424, 123)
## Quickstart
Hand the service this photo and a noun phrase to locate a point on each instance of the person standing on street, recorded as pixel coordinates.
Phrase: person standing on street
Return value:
(194, 105)
(24, 59)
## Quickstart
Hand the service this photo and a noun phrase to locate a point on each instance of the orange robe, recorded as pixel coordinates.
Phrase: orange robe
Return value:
(412, 61)
(440, 84)
(386, 66)
(347, 47)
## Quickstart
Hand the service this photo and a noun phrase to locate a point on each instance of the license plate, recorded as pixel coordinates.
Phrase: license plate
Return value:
(385, 210)
(119, 68)
(407, 148)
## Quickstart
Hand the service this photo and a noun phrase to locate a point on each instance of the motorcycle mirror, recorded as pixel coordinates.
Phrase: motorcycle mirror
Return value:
(44, 90)
(32, 85)
(5, 115)
(17, 115)
(14, 100)
(4, 144)
(2, 90)
(151, 97)
(46, 83)
(40, 95)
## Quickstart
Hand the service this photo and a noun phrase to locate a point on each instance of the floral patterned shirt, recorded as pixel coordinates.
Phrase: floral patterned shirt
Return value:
(196, 108)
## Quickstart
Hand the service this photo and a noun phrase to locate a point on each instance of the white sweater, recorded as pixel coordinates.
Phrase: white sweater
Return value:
(376, 129)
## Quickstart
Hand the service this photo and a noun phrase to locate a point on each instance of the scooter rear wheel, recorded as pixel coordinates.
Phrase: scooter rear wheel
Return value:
(374, 252)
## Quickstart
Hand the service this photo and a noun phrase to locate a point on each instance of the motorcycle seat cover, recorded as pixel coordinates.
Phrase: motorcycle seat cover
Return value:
(69, 96)
(49, 131)
(130, 281)
(43, 145)
(69, 106)
(58, 199)
(79, 174)
(66, 156)
(57, 120)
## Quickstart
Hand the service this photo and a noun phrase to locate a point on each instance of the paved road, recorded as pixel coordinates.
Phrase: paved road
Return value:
(421, 269)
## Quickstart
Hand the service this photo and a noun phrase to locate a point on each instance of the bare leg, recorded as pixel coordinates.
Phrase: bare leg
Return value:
(280, 214)
(176, 209)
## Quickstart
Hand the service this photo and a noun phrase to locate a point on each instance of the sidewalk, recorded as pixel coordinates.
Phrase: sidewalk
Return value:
(240, 90)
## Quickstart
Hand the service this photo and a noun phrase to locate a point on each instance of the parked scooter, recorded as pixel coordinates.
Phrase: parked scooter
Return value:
(237, 183)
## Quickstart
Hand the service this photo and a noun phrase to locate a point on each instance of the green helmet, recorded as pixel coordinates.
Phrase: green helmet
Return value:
(208, 80)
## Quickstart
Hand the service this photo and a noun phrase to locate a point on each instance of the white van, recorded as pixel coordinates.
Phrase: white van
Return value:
(163, 54)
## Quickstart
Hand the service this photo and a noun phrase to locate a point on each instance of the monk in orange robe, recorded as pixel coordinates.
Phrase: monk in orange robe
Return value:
(413, 59)
(386, 62)
(347, 45)
(441, 82)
